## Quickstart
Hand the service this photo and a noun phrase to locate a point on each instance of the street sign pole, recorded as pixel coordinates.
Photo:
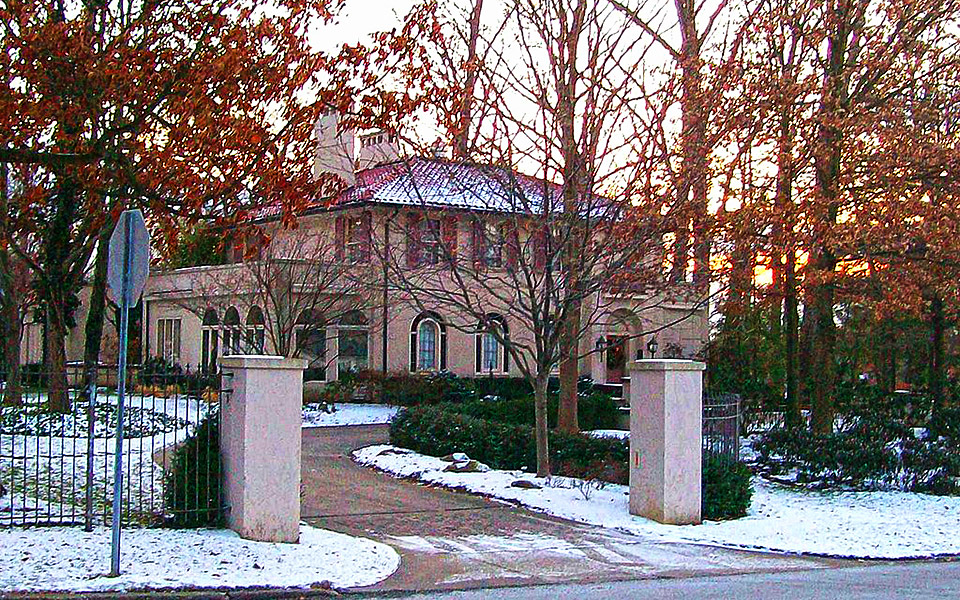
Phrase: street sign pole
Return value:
(121, 393)
(128, 267)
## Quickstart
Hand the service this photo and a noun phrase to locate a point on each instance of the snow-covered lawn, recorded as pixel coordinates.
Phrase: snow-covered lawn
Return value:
(849, 524)
(68, 559)
(43, 456)
(348, 414)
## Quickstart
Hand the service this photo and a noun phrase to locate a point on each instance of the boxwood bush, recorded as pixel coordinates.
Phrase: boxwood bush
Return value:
(726, 488)
(439, 431)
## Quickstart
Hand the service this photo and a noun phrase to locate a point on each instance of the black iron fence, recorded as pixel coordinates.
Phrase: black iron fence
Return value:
(58, 442)
(721, 425)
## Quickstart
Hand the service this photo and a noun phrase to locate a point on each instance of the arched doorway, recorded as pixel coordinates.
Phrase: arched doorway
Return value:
(255, 337)
(209, 341)
(232, 342)
(620, 329)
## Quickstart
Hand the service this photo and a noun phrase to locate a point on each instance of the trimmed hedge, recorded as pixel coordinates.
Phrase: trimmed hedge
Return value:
(594, 411)
(726, 488)
(439, 431)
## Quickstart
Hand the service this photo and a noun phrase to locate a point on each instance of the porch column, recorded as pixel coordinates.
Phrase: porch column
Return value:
(260, 445)
(665, 440)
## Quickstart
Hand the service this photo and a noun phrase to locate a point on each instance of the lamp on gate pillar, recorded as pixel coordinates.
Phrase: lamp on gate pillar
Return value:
(652, 346)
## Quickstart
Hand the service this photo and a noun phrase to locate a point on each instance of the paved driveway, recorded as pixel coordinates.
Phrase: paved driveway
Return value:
(449, 540)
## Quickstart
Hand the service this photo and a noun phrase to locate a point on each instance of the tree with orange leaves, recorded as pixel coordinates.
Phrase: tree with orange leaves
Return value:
(186, 108)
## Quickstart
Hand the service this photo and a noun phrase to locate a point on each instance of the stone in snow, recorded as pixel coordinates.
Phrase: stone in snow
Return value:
(523, 484)
(467, 466)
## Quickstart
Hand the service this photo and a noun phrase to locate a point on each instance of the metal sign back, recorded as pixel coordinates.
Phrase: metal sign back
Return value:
(139, 257)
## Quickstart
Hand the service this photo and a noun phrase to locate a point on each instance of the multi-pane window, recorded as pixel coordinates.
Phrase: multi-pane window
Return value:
(492, 245)
(168, 340)
(427, 335)
(431, 242)
(490, 353)
(358, 238)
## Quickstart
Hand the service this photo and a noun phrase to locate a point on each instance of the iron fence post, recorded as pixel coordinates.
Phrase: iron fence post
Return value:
(91, 403)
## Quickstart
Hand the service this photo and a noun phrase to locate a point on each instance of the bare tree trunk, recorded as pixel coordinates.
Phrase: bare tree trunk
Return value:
(461, 142)
(567, 419)
(574, 188)
(93, 329)
(937, 367)
(542, 431)
(788, 278)
(827, 165)
(823, 344)
(56, 364)
(11, 322)
(694, 143)
(11, 327)
(791, 334)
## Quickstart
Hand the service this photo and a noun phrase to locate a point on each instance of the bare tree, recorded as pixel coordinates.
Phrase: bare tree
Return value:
(286, 291)
(498, 268)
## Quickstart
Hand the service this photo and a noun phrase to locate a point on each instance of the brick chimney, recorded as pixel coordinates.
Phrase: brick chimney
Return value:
(335, 148)
(377, 148)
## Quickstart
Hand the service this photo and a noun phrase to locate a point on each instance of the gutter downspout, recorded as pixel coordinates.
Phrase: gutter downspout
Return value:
(386, 282)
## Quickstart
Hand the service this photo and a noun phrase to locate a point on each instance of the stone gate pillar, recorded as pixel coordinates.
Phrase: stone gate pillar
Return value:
(665, 440)
(260, 445)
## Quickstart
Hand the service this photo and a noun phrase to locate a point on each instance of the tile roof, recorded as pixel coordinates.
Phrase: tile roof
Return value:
(439, 183)
(446, 184)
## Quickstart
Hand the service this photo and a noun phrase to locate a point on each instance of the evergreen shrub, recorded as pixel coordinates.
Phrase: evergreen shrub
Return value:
(727, 489)
(880, 443)
(438, 431)
(193, 490)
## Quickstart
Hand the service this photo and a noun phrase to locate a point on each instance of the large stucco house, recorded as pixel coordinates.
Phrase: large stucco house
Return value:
(194, 315)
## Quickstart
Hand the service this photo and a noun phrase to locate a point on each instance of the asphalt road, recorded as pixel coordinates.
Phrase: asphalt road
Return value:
(889, 581)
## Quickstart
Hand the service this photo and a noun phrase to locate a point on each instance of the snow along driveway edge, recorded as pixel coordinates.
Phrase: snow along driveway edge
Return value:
(866, 525)
(61, 559)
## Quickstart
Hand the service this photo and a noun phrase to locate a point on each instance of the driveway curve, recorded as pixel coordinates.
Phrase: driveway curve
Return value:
(450, 540)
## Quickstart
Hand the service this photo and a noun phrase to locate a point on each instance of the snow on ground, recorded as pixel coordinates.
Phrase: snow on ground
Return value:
(68, 559)
(848, 524)
(348, 414)
(616, 434)
(51, 467)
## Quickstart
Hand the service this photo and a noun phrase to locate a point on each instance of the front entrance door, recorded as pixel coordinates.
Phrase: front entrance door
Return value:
(616, 358)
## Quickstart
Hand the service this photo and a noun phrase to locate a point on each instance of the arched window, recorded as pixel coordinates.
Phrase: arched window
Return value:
(231, 332)
(255, 337)
(490, 354)
(428, 343)
(353, 342)
(209, 341)
(311, 340)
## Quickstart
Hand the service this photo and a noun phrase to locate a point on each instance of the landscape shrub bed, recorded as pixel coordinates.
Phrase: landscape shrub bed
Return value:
(158, 373)
(727, 489)
(880, 443)
(439, 431)
(594, 410)
(414, 389)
